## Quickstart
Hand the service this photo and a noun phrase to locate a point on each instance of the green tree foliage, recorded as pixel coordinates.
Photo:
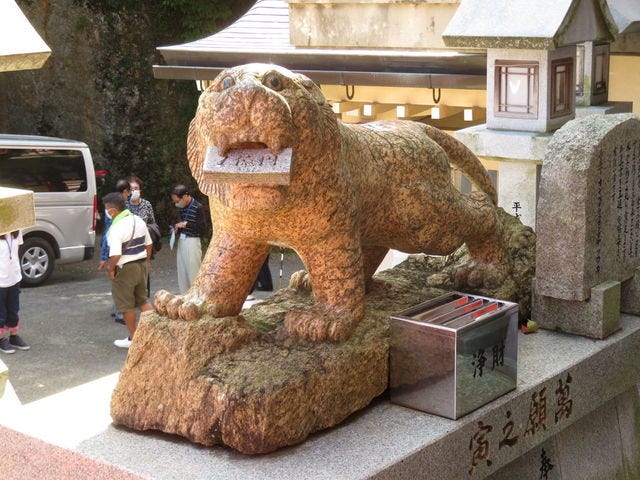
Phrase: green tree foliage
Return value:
(150, 116)
(98, 85)
(194, 17)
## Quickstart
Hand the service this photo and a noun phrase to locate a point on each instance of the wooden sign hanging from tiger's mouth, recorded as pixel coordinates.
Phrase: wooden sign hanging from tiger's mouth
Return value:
(248, 165)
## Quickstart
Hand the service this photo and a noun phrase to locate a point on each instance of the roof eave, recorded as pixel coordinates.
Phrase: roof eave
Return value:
(335, 77)
(534, 43)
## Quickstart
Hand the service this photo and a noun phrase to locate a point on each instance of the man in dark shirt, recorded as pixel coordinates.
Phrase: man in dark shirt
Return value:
(188, 232)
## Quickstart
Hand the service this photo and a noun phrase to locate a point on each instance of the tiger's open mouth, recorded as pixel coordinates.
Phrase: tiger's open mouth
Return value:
(248, 146)
(249, 163)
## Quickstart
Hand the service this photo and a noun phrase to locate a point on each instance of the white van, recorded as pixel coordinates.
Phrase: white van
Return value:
(61, 174)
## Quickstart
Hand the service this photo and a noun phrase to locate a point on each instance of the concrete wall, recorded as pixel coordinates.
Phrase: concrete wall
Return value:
(358, 23)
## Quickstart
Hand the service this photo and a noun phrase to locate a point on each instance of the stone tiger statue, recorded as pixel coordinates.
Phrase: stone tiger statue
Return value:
(351, 193)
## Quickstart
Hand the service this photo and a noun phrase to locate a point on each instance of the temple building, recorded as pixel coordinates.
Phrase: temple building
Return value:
(500, 75)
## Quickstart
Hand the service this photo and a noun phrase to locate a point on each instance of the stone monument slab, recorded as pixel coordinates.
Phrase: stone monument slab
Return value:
(588, 224)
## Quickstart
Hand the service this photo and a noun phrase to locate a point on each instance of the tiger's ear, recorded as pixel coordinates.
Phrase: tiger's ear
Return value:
(313, 89)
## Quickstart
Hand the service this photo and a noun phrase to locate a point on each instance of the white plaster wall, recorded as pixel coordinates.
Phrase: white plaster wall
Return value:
(393, 258)
(367, 24)
(517, 183)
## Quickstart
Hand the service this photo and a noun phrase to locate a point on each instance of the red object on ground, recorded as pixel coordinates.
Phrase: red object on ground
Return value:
(26, 458)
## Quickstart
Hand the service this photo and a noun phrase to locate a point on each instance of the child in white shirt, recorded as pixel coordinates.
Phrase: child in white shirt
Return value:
(10, 277)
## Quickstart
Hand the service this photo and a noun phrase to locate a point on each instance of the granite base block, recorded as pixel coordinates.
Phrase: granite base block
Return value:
(590, 449)
(568, 386)
(628, 408)
(597, 317)
(561, 379)
(630, 294)
(539, 462)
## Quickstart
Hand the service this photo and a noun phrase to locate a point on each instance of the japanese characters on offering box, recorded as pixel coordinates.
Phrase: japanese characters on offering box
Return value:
(453, 354)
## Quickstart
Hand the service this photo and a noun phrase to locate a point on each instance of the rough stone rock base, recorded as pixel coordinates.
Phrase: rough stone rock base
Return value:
(520, 243)
(243, 383)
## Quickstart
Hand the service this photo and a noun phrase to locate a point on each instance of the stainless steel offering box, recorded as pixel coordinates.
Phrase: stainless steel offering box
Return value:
(453, 354)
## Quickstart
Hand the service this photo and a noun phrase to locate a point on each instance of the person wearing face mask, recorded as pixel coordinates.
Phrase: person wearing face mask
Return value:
(129, 259)
(143, 208)
(138, 205)
(124, 189)
(188, 231)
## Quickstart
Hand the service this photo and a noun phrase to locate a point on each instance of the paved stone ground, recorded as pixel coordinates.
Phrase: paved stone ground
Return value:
(68, 324)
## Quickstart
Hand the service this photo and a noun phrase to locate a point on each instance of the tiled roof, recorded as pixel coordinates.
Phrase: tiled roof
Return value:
(625, 15)
(262, 35)
(539, 24)
(264, 28)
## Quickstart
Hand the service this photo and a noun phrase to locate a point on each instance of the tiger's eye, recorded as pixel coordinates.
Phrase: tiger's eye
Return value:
(274, 82)
(227, 82)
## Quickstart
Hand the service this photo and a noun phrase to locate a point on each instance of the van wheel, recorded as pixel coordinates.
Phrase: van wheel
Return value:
(36, 260)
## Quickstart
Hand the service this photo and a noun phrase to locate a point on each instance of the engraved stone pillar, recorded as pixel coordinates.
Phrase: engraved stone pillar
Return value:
(588, 226)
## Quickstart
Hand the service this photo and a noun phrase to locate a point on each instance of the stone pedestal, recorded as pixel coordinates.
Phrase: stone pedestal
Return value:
(256, 398)
(597, 317)
(573, 393)
(603, 444)
(245, 384)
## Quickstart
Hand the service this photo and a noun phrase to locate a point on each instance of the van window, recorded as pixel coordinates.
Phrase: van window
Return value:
(43, 170)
